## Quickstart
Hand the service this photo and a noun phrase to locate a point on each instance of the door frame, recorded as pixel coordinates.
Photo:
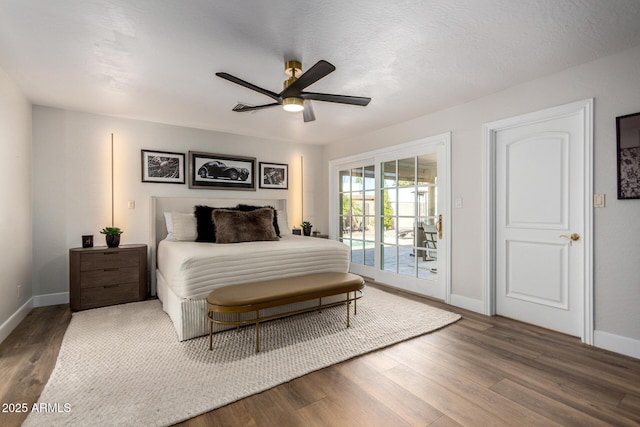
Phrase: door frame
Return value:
(444, 191)
(585, 109)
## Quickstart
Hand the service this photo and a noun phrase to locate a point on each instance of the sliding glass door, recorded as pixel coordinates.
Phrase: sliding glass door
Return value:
(391, 211)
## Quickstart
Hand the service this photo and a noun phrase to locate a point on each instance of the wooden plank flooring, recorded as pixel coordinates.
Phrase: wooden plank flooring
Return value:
(27, 357)
(480, 371)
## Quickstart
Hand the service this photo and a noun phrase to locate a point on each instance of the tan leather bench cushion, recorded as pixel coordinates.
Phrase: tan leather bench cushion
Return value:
(285, 290)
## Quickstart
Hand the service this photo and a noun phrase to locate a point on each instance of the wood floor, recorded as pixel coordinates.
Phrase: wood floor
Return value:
(479, 371)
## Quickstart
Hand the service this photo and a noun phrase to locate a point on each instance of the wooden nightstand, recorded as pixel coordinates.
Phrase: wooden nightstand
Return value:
(104, 276)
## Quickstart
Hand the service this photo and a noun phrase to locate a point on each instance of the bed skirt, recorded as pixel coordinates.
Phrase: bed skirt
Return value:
(189, 316)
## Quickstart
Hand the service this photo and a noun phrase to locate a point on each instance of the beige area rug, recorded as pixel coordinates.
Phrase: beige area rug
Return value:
(123, 365)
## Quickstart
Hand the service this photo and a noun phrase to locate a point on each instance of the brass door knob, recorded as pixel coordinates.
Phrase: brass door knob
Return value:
(573, 236)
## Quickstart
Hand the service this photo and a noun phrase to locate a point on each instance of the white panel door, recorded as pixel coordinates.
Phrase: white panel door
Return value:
(539, 205)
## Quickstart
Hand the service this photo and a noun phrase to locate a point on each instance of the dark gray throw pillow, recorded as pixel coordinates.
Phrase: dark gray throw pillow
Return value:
(248, 208)
(237, 226)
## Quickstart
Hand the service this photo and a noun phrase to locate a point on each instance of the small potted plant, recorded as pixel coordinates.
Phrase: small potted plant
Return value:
(112, 235)
(306, 228)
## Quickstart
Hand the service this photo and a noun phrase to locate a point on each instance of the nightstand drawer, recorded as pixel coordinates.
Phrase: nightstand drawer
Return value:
(107, 260)
(110, 294)
(109, 276)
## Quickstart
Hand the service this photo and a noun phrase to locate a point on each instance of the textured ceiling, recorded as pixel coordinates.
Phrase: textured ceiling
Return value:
(156, 59)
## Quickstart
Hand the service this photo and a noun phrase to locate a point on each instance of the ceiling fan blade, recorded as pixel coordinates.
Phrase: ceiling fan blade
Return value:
(340, 99)
(240, 108)
(248, 85)
(321, 69)
(307, 114)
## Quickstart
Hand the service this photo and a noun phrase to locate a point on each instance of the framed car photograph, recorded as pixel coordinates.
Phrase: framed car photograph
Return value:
(274, 175)
(163, 167)
(221, 171)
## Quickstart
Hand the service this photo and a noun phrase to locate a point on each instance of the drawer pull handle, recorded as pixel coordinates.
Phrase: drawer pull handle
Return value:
(111, 269)
(110, 286)
(109, 253)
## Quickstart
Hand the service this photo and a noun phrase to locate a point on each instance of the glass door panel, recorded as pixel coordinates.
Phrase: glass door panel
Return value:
(427, 169)
(369, 173)
(389, 175)
(357, 213)
(369, 214)
(370, 240)
(345, 181)
(406, 233)
(389, 258)
(406, 172)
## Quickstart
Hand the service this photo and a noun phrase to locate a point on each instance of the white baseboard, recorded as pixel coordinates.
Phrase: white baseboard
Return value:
(617, 343)
(12, 322)
(36, 301)
(51, 299)
(467, 303)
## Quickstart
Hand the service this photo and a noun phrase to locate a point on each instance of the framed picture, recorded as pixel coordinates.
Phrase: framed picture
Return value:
(221, 171)
(628, 133)
(274, 175)
(162, 166)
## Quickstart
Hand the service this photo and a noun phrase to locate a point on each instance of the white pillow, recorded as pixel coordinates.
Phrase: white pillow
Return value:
(168, 222)
(184, 226)
(283, 224)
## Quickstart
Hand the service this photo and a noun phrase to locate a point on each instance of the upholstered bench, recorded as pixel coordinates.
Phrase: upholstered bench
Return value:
(256, 296)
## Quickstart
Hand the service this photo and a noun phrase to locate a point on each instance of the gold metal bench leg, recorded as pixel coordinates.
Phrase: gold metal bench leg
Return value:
(355, 303)
(257, 332)
(210, 331)
(348, 309)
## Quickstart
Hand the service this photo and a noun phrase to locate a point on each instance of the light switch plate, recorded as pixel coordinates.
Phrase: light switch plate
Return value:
(598, 200)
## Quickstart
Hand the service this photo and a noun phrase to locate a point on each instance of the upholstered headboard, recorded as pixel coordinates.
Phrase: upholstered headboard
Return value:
(160, 205)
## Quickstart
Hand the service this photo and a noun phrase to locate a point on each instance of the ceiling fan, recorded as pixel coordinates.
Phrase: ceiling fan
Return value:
(293, 97)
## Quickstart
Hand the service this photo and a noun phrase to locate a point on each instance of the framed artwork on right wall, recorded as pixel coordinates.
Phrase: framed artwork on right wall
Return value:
(628, 136)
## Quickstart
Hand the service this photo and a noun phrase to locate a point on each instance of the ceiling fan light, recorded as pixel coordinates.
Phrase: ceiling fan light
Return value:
(293, 105)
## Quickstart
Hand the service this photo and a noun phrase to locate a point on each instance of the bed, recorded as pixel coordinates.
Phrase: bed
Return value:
(187, 271)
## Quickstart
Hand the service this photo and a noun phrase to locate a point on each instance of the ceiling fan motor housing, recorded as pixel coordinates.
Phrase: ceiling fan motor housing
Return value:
(293, 68)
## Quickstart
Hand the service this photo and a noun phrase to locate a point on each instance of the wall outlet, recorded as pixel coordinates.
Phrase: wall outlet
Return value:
(131, 204)
(18, 290)
(459, 202)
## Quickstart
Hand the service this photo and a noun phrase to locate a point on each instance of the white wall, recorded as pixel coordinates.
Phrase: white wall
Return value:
(72, 182)
(71, 193)
(15, 216)
(614, 82)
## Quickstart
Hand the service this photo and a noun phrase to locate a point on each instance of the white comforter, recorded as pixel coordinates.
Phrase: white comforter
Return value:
(193, 269)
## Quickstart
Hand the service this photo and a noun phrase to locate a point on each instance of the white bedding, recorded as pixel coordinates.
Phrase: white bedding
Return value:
(193, 269)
